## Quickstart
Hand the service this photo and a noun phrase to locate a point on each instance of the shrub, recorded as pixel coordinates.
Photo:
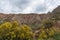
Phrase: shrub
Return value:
(13, 31)
(57, 36)
(46, 30)
(26, 32)
(47, 24)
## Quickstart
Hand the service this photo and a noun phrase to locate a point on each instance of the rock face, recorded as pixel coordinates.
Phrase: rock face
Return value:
(56, 16)
(24, 18)
(29, 19)
(56, 10)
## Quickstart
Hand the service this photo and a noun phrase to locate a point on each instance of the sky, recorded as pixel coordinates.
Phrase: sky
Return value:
(28, 6)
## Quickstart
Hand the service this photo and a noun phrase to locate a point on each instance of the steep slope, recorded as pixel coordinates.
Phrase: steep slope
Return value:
(33, 20)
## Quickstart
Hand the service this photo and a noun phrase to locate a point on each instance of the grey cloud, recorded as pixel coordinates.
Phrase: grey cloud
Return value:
(40, 8)
(20, 5)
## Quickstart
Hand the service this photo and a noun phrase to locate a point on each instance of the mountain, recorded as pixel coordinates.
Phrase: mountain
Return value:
(56, 13)
(56, 10)
(29, 19)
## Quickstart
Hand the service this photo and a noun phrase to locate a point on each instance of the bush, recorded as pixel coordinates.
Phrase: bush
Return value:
(47, 24)
(13, 31)
(46, 30)
(57, 36)
(26, 32)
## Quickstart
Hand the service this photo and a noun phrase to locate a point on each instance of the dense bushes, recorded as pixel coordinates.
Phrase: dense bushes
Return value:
(46, 30)
(14, 31)
(46, 33)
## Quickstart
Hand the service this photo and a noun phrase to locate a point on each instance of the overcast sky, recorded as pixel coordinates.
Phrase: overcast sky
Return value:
(28, 6)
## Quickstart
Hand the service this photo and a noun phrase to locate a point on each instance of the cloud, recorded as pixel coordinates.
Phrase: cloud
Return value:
(40, 8)
(52, 4)
(28, 6)
(7, 7)
(32, 6)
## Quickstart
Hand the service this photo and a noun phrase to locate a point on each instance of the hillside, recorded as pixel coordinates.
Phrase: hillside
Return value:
(30, 26)
(31, 19)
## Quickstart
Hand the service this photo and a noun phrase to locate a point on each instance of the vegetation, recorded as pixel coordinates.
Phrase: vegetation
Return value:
(14, 31)
(30, 27)
(46, 30)
(56, 16)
